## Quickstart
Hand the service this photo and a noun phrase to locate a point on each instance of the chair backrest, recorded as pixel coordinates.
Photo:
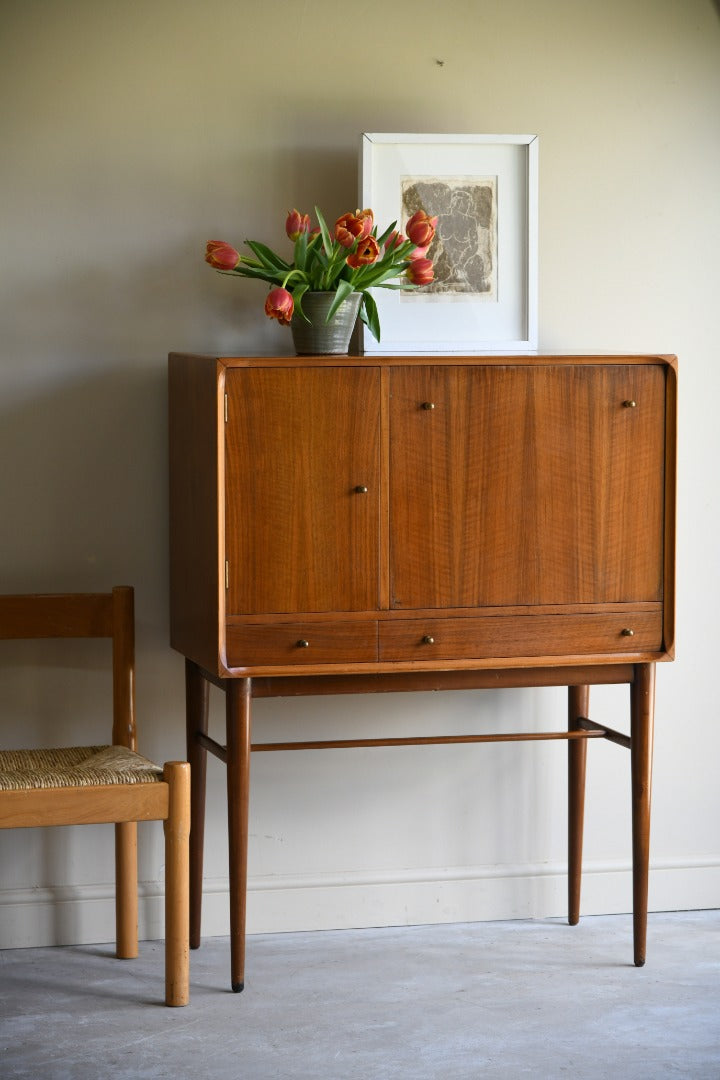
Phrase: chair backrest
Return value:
(84, 615)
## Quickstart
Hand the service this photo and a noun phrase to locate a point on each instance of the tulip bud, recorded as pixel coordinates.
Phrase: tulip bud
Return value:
(297, 223)
(420, 271)
(279, 305)
(395, 240)
(421, 228)
(221, 255)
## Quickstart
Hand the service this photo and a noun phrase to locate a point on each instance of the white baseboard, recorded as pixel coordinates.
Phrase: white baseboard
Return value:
(85, 915)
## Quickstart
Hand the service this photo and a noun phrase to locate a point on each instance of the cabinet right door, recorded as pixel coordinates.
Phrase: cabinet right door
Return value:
(526, 485)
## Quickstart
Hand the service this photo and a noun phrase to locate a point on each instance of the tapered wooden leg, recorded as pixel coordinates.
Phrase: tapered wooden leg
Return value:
(177, 893)
(578, 706)
(196, 712)
(126, 890)
(642, 717)
(238, 709)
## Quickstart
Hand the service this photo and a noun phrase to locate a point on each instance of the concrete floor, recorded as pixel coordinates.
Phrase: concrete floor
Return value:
(503, 999)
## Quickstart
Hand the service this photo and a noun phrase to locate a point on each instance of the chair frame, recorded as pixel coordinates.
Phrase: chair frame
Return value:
(111, 615)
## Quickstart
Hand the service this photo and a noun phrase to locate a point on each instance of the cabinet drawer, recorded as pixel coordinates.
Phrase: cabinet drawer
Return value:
(252, 644)
(520, 635)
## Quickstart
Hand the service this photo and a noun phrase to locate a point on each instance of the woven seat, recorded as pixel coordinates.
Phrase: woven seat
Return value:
(82, 785)
(74, 766)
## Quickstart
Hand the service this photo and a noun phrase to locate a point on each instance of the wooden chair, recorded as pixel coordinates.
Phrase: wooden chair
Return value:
(86, 785)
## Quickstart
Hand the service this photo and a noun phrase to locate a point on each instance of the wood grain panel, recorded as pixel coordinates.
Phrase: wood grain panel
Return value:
(300, 442)
(526, 485)
(56, 615)
(194, 493)
(523, 635)
(85, 805)
(280, 643)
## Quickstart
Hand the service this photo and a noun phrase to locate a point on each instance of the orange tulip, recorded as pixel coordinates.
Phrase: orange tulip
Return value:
(221, 255)
(296, 224)
(367, 252)
(420, 271)
(351, 227)
(279, 305)
(421, 228)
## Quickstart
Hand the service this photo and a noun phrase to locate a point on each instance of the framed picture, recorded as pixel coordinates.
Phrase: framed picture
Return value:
(483, 190)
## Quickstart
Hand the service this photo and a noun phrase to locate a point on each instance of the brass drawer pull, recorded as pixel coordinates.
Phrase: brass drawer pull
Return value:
(627, 632)
(360, 489)
(629, 404)
(428, 405)
(303, 644)
(428, 640)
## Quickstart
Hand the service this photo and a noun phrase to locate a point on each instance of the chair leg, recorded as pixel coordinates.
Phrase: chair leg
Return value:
(126, 890)
(578, 706)
(177, 899)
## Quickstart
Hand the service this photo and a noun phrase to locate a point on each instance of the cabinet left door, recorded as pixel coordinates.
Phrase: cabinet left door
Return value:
(302, 489)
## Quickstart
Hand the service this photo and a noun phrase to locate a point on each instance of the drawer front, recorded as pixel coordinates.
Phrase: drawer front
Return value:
(520, 635)
(297, 643)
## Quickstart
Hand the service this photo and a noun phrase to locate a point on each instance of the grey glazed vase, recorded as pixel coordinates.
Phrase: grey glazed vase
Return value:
(318, 338)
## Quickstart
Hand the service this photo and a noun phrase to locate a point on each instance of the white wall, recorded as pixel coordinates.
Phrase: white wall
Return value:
(131, 134)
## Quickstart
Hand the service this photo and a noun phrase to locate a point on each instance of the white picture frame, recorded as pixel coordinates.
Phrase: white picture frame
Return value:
(485, 188)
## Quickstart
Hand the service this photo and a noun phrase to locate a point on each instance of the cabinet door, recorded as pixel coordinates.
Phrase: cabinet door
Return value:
(300, 533)
(526, 485)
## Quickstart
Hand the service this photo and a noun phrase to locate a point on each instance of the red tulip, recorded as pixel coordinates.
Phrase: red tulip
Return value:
(279, 305)
(351, 227)
(421, 228)
(420, 271)
(297, 223)
(394, 240)
(221, 255)
(367, 252)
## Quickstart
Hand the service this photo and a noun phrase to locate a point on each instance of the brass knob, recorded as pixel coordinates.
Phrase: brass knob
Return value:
(428, 640)
(360, 489)
(303, 644)
(428, 405)
(629, 404)
(627, 632)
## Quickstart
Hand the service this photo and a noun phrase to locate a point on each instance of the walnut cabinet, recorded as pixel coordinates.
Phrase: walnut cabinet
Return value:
(367, 524)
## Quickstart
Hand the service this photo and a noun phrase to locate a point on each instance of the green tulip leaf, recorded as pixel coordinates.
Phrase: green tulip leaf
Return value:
(324, 232)
(342, 292)
(369, 315)
(298, 294)
(300, 252)
(388, 231)
(267, 257)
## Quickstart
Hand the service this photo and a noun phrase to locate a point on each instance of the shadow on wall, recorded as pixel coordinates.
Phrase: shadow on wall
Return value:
(140, 309)
(84, 465)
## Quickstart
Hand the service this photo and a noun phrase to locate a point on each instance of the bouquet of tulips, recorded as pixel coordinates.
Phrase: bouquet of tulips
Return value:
(353, 258)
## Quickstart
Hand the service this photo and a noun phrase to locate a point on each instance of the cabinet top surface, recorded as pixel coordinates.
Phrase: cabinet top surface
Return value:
(536, 359)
